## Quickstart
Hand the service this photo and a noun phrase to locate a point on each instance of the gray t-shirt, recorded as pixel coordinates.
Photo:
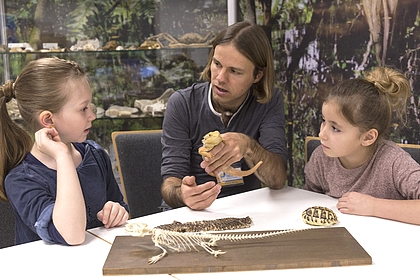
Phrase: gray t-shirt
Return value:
(390, 174)
(190, 115)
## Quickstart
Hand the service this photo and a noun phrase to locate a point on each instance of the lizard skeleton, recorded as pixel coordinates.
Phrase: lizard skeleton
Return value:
(187, 241)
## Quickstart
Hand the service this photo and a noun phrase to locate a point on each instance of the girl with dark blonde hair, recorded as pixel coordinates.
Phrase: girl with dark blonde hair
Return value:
(370, 176)
(60, 184)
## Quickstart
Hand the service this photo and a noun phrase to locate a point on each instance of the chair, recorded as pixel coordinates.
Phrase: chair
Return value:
(413, 150)
(311, 142)
(139, 155)
(7, 225)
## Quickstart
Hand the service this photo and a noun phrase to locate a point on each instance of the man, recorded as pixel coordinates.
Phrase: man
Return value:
(238, 100)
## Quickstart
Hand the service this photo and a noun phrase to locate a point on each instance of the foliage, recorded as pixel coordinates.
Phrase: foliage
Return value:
(127, 22)
(315, 45)
(319, 43)
(119, 77)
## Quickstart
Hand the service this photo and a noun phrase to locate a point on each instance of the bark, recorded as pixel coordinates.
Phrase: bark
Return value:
(35, 36)
(250, 11)
(380, 15)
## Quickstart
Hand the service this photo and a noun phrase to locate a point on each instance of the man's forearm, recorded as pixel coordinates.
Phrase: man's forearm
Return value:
(171, 192)
(273, 170)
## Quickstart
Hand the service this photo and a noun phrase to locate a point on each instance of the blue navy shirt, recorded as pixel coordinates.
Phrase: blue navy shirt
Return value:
(31, 189)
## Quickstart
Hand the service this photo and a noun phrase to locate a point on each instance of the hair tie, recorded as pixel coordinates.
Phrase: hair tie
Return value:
(9, 90)
(379, 87)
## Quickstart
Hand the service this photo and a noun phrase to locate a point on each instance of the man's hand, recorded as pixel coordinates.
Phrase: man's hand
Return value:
(198, 197)
(231, 149)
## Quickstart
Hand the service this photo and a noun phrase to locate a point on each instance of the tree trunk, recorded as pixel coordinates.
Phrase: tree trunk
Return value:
(379, 14)
(250, 11)
(35, 36)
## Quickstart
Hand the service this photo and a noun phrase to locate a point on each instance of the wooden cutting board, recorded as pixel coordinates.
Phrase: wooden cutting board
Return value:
(323, 247)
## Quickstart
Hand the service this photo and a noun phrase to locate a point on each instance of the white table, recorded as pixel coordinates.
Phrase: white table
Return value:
(39, 260)
(392, 245)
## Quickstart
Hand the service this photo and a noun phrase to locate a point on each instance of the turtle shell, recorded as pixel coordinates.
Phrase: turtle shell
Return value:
(319, 216)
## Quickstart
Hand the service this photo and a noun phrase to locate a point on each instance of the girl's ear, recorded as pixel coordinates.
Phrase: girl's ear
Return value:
(369, 137)
(45, 119)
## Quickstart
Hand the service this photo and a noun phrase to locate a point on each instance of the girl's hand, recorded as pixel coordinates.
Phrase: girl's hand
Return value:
(112, 215)
(48, 142)
(356, 204)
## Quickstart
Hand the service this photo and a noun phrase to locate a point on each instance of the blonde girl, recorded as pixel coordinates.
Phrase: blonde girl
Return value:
(58, 184)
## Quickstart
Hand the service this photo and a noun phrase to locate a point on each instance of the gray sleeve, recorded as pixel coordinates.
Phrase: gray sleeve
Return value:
(176, 146)
(272, 134)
